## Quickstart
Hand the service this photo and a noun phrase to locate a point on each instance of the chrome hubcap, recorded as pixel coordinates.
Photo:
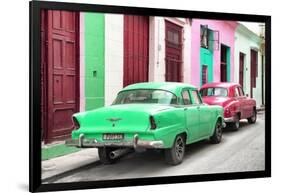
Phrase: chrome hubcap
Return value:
(219, 131)
(179, 148)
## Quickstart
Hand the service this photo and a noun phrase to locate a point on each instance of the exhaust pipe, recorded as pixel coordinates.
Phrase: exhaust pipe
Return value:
(119, 152)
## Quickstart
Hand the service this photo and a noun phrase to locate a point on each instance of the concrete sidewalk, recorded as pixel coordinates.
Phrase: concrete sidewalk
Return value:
(59, 165)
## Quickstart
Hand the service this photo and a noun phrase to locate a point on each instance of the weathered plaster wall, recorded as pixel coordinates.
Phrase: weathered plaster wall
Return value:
(156, 49)
(114, 50)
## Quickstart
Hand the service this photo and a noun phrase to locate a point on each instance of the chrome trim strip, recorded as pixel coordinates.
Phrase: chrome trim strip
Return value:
(135, 143)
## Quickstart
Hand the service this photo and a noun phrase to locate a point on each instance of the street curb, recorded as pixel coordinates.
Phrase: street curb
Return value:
(54, 178)
(56, 150)
(60, 165)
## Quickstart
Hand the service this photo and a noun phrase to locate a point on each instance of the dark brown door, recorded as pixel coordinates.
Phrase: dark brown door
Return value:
(173, 37)
(254, 70)
(136, 34)
(43, 74)
(204, 74)
(223, 64)
(241, 68)
(62, 73)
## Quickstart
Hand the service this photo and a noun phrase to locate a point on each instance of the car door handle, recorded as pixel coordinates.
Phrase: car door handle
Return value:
(198, 107)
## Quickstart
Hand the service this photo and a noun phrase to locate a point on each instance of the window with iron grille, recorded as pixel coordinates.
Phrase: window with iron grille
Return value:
(209, 38)
(204, 36)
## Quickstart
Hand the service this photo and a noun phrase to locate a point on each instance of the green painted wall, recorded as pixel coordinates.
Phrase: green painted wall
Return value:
(94, 60)
(206, 58)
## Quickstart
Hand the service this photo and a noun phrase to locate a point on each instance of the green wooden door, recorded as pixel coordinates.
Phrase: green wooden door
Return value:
(192, 122)
(94, 60)
(206, 124)
(206, 67)
(191, 114)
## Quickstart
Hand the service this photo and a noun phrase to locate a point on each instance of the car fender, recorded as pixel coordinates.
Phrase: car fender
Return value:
(218, 116)
(234, 107)
(170, 123)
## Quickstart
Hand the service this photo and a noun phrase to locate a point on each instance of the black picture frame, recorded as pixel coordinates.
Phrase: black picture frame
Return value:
(35, 183)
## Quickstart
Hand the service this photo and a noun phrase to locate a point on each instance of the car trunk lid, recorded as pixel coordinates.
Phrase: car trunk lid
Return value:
(120, 118)
(216, 100)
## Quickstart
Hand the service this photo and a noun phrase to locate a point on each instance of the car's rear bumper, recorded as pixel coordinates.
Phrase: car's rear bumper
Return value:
(135, 143)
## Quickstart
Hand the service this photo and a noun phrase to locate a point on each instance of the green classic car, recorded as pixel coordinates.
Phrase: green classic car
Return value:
(163, 115)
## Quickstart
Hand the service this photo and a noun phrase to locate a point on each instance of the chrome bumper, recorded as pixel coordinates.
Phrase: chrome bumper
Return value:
(223, 124)
(82, 142)
(229, 119)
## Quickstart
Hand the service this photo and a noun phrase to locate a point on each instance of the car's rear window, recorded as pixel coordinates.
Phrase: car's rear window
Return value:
(145, 96)
(214, 91)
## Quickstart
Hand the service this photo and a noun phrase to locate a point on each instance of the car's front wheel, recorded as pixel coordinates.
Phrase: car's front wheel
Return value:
(104, 155)
(217, 135)
(175, 154)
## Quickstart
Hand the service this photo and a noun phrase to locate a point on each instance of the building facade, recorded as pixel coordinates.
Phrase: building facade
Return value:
(248, 63)
(87, 58)
(212, 51)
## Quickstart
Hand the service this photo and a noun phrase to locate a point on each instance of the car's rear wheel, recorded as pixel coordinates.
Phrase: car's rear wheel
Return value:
(104, 155)
(217, 135)
(253, 118)
(175, 154)
(236, 124)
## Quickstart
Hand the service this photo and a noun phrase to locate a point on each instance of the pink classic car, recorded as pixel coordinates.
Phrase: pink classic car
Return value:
(231, 97)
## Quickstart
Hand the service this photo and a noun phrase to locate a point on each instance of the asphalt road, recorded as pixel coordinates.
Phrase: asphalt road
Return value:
(239, 151)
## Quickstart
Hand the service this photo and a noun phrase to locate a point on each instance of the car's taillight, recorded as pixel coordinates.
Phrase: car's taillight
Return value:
(75, 123)
(152, 123)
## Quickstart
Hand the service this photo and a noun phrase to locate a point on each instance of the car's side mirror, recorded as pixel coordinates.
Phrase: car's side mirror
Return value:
(247, 95)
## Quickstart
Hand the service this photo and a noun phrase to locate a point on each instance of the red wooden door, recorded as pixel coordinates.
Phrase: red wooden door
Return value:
(254, 70)
(241, 69)
(173, 38)
(62, 73)
(43, 29)
(136, 34)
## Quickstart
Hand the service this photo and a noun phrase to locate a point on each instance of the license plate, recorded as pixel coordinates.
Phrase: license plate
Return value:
(113, 136)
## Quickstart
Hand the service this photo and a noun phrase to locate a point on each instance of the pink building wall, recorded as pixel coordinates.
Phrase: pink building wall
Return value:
(226, 36)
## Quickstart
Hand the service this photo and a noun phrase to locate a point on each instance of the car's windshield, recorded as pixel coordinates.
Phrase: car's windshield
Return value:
(146, 96)
(216, 91)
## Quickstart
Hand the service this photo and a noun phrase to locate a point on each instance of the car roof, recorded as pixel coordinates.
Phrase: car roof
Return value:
(169, 86)
(220, 84)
